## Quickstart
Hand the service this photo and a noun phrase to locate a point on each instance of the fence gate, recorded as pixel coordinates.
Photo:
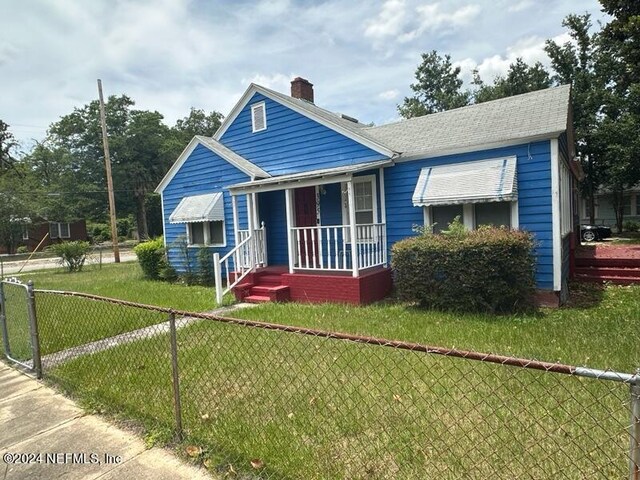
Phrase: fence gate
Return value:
(18, 325)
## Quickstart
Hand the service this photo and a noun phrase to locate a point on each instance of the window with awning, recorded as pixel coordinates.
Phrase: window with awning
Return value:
(491, 180)
(204, 219)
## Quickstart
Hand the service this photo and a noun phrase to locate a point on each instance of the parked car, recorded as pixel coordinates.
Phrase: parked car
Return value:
(591, 233)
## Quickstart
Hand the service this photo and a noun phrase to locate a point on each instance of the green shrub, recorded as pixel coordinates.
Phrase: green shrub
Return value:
(99, 232)
(72, 254)
(487, 270)
(206, 273)
(151, 257)
(22, 249)
(631, 226)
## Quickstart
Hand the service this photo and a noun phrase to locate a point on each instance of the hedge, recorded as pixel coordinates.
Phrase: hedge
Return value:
(485, 270)
(151, 257)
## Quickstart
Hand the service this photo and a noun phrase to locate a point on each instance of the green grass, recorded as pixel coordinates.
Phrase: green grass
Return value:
(600, 329)
(319, 408)
(125, 281)
(94, 320)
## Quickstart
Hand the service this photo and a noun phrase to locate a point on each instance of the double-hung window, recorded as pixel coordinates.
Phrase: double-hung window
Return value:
(59, 230)
(206, 234)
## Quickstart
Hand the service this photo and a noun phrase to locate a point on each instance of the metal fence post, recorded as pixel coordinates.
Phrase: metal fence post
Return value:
(634, 429)
(3, 322)
(176, 378)
(33, 326)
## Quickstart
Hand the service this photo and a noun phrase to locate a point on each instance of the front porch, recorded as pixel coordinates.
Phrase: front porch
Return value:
(276, 284)
(314, 237)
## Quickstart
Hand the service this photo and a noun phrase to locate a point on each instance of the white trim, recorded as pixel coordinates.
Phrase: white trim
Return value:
(374, 192)
(195, 141)
(383, 200)
(236, 221)
(555, 215)
(515, 216)
(205, 233)
(352, 227)
(469, 215)
(25, 232)
(254, 108)
(254, 209)
(164, 231)
(426, 216)
(290, 103)
(285, 185)
(289, 212)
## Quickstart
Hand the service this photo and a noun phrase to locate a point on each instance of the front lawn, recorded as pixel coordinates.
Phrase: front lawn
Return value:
(124, 281)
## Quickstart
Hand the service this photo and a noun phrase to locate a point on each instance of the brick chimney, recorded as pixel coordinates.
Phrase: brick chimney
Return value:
(302, 88)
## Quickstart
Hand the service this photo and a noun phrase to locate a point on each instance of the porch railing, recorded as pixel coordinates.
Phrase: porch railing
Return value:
(250, 253)
(329, 247)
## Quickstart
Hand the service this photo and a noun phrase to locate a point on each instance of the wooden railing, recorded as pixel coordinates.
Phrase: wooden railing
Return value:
(250, 253)
(329, 247)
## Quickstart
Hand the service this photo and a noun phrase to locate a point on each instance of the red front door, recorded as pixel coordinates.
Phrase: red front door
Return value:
(306, 216)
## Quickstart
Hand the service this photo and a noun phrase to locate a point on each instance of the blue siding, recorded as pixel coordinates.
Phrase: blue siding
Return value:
(203, 172)
(534, 198)
(292, 142)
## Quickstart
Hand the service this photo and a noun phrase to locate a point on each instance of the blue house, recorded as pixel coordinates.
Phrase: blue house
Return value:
(296, 202)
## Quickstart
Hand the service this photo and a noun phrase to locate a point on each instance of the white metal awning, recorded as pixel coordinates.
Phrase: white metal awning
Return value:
(199, 208)
(491, 180)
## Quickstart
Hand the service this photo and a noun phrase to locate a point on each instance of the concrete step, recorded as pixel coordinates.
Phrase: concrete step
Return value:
(610, 272)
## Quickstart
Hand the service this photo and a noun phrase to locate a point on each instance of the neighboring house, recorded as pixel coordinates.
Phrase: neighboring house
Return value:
(284, 187)
(604, 212)
(33, 233)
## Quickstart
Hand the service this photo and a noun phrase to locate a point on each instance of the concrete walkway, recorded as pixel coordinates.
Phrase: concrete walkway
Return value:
(43, 435)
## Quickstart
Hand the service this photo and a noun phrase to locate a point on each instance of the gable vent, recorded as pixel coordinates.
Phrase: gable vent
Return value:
(258, 117)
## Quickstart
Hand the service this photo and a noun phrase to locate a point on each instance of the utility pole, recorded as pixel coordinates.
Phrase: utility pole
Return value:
(107, 164)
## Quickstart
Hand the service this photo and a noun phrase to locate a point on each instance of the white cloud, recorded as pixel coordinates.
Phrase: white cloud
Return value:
(530, 49)
(389, 94)
(390, 21)
(520, 6)
(277, 81)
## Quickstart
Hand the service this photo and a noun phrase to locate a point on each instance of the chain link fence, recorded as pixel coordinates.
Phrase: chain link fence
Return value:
(258, 400)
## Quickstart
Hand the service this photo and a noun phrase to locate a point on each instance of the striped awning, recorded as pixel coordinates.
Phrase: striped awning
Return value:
(491, 180)
(199, 208)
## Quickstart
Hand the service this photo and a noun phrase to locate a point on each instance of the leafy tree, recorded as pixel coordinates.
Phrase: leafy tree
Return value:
(579, 63)
(197, 123)
(7, 144)
(437, 88)
(521, 78)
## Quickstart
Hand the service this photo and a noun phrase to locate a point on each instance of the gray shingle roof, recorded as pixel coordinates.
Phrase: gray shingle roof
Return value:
(539, 113)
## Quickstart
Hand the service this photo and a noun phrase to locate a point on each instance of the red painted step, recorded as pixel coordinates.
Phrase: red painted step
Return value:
(609, 272)
(269, 280)
(257, 299)
(608, 262)
(608, 278)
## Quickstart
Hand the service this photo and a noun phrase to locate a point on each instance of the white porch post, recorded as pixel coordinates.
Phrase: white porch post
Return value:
(234, 205)
(383, 217)
(352, 227)
(289, 212)
(249, 212)
(254, 201)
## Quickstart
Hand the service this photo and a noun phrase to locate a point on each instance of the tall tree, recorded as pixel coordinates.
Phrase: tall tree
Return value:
(438, 87)
(520, 78)
(579, 62)
(8, 144)
(197, 123)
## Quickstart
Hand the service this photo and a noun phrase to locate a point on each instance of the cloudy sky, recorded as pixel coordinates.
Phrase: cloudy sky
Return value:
(170, 55)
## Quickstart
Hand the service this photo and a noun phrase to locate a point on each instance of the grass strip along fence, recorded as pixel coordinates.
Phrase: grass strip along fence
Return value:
(251, 399)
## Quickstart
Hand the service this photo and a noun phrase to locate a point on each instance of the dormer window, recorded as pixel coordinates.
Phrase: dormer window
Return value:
(258, 117)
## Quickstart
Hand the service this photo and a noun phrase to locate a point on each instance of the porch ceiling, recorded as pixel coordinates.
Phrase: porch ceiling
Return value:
(312, 177)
